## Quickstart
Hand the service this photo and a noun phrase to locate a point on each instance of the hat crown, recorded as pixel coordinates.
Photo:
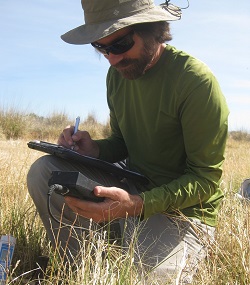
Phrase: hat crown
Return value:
(97, 11)
(105, 17)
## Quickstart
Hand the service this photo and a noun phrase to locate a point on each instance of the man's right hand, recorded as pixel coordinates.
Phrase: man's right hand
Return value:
(80, 141)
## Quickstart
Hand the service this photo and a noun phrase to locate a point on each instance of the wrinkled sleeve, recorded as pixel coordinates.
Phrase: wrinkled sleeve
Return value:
(203, 114)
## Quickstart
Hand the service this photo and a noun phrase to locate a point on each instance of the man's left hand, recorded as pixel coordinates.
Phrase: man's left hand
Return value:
(117, 204)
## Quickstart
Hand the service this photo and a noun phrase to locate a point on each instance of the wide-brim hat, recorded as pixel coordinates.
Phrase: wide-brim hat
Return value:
(104, 17)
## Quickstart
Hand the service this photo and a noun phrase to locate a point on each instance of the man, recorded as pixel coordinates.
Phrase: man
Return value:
(168, 118)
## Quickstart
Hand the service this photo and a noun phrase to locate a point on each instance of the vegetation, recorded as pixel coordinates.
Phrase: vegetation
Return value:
(15, 124)
(229, 254)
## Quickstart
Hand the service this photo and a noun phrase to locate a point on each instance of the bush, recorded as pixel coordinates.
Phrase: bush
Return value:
(240, 135)
(18, 125)
(95, 129)
(12, 123)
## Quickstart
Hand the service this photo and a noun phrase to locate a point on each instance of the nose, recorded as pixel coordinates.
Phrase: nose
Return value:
(114, 58)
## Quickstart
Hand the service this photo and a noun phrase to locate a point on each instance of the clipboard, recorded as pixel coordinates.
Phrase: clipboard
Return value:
(66, 153)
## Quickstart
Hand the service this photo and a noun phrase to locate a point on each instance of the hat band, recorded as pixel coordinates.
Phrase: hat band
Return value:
(123, 11)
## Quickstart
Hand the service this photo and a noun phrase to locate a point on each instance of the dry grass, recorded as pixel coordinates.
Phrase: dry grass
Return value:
(229, 262)
(17, 214)
(236, 166)
(230, 255)
(16, 124)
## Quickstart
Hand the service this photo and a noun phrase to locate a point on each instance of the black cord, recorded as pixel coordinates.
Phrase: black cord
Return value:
(63, 189)
(52, 189)
(167, 3)
(173, 9)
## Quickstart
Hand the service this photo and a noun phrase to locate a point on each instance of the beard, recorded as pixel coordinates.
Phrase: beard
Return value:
(131, 68)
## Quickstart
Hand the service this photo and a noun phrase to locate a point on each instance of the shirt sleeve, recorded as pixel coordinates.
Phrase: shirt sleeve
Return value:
(203, 113)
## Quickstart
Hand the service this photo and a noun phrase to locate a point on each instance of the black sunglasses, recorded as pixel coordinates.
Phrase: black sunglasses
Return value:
(120, 46)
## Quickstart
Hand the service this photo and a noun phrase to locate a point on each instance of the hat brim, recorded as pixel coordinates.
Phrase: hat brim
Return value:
(90, 33)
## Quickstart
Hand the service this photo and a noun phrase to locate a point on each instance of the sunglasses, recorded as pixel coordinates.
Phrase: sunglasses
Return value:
(118, 47)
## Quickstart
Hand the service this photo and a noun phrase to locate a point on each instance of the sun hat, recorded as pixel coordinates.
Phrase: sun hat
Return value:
(104, 17)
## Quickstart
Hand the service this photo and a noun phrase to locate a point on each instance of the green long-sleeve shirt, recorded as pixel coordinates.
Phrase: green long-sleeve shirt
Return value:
(172, 124)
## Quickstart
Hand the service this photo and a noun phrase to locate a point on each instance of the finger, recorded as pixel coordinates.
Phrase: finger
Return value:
(84, 135)
(112, 193)
(82, 205)
(77, 136)
(90, 210)
(67, 133)
(61, 141)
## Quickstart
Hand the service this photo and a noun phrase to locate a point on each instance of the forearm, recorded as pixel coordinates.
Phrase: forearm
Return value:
(184, 192)
(199, 182)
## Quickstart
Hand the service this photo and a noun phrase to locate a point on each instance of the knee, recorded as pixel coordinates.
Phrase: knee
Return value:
(38, 174)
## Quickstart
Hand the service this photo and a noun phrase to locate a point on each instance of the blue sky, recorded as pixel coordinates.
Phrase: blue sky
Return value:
(40, 73)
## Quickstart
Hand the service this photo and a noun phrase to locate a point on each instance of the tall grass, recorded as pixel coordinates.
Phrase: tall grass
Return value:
(230, 255)
(12, 123)
(16, 124)
(229, 258)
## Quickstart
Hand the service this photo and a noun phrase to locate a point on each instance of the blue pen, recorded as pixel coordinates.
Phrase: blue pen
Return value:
(76, 125)
(76, 129)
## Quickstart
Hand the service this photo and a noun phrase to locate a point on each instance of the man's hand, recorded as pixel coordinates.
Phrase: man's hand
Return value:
(81, 141)
(117, 204)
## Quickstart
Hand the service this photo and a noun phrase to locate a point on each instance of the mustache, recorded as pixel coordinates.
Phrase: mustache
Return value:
(125, 62)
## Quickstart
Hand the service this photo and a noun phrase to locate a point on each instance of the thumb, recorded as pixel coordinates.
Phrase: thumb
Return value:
(107, 192)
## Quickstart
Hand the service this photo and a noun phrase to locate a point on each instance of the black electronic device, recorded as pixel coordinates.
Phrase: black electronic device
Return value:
(75, 184)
